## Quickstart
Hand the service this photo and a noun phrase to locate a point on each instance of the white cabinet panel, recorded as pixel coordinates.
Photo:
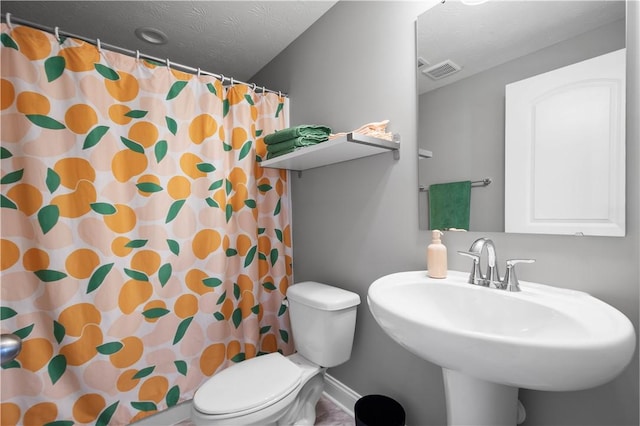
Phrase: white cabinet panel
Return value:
(565, 150)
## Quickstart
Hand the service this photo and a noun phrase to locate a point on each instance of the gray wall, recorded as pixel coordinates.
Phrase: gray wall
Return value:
(357, 221)
(463, 123)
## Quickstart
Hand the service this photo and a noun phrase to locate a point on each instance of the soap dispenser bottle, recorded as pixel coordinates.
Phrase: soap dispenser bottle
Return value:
(436, 256)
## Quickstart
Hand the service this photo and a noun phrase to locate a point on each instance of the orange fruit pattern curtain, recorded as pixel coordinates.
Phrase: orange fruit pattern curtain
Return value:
(143, 247)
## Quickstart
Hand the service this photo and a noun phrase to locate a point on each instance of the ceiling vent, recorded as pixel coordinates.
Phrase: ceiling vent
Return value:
(441, 70)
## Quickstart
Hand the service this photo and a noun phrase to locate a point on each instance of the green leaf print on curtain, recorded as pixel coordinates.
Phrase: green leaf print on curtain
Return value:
(147, 249)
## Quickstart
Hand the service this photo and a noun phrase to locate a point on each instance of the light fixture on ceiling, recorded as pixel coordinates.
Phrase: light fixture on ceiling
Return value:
(151, 35)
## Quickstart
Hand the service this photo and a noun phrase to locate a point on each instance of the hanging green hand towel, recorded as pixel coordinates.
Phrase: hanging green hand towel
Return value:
(449, 205)
(297, 132)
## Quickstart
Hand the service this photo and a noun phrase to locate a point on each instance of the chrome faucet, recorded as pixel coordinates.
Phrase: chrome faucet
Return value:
(492, 277)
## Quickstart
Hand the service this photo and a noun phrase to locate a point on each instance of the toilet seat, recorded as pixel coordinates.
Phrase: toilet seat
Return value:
(248, 386)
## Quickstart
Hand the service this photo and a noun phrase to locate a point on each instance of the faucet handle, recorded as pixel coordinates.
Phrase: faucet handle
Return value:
(475, 277)
(472, 255)
(513, 262)
(510, 282)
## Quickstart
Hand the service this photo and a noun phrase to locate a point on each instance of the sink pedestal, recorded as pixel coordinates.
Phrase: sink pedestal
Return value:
(472, 401)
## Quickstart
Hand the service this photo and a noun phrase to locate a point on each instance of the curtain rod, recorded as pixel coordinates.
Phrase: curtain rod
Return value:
(9, 19)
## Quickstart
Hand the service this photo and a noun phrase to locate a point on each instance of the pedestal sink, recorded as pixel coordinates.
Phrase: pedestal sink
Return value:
(491, 342)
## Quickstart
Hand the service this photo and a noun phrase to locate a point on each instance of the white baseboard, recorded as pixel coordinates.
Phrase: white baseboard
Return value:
(336, 391)
(340, 394)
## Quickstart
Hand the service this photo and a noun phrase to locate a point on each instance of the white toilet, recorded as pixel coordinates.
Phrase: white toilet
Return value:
(277, 390)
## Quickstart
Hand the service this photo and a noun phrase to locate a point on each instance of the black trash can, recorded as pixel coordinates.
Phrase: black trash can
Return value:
(378, 410)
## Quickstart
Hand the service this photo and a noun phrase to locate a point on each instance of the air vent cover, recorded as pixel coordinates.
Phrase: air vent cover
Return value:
(441, 70)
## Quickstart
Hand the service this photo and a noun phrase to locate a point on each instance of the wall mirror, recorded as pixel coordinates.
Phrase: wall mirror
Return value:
(467, 55)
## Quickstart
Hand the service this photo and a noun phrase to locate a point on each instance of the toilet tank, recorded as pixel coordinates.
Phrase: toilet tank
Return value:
(323, 321)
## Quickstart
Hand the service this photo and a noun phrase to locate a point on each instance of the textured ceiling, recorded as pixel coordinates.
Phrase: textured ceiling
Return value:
(481, 37)
(234, 38)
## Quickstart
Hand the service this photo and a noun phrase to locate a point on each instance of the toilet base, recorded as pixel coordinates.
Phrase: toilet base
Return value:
(303, 410)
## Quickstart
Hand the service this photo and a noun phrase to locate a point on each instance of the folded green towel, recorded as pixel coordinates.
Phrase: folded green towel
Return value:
(305, 130)
(295, 143)
(449, 205)
(279, 153)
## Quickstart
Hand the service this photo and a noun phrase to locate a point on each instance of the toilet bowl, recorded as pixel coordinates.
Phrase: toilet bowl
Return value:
(267, 390)
(276, 390)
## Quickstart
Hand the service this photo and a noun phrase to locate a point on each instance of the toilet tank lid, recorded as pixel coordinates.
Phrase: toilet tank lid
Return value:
(322, 296)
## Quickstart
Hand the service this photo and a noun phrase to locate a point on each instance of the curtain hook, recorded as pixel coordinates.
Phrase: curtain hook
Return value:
(232, 81)
(253, 87)
(279, 94)
(137, 55)
(198, 72)
(57, 34)
(168, 64)
(222, 78)
(7, 18)
(98, 45)
(264, 90)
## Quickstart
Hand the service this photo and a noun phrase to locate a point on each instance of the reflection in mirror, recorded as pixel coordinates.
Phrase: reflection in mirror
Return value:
(466, 57)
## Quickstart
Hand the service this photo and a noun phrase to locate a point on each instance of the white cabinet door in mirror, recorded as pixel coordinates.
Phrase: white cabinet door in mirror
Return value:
(565, 150)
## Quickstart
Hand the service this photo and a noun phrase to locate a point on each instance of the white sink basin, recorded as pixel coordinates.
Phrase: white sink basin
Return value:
(490, 342)
(543, 338)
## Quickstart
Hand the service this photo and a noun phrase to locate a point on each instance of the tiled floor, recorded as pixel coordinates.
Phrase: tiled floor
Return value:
(327, 414)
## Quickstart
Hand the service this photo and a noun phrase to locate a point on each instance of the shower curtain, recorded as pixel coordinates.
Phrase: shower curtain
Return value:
(143, 247)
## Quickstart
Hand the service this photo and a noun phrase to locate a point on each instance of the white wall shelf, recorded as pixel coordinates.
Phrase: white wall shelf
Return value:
(333, 151)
